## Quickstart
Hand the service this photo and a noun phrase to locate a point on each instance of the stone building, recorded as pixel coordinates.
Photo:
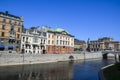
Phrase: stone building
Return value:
(10, 31)
(33, 41)
(104, 43)
(59, 41)
(79, 45)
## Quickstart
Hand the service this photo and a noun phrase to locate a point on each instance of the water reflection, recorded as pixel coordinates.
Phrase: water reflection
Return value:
(77, 70)
(54, 71)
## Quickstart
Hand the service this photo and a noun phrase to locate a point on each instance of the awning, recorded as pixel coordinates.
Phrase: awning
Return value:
(2, 47)
(10, 47)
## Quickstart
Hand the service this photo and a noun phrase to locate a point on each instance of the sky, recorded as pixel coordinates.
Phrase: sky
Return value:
(82, 18)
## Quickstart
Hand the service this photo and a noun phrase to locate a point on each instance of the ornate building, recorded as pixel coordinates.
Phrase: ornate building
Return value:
(10, 31)
(58, 41)
(33, 41)
(103, 44)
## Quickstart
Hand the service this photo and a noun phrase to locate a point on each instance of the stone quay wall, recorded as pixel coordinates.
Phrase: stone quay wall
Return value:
(20, 59)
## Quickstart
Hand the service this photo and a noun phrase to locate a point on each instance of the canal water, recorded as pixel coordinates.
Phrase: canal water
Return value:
(77, 70)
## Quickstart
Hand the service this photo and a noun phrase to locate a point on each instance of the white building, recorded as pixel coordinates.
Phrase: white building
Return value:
(59, 41)
(33, 41)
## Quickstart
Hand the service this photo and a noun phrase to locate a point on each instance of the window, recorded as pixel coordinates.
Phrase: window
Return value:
(18, 42)
(44, 34)
(44, 41)
(3, 34)
(3, 27)
(18, 29)
(23, 39)
(18, 35)
(10, 21)
(57, 37)
(41, 41)
(35, 39)
(49, 35)
(4, 20)
(68, 43)
(57, 41)
(60, 41)
(52, 36)
(12, 27)
(33, 46)
(22, 46)
(60, 37)
(26, 39)
(52, 42)
(48, 41)
(63, 42)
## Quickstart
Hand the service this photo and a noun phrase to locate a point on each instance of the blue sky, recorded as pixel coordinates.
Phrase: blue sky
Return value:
(83, 18)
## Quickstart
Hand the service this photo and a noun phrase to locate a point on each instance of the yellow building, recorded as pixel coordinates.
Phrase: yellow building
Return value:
(104, 43)
(10, 31)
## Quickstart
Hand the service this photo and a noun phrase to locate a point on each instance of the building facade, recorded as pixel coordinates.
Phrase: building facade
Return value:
(79, 45)
(104, 43)
(33, 41)
(59, 41)
(10, 31)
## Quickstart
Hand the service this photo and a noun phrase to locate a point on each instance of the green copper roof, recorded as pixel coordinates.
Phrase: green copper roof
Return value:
(54, 30)
(59, 30)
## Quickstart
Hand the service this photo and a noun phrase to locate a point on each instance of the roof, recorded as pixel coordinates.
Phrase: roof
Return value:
(59, 30)
(7, 14)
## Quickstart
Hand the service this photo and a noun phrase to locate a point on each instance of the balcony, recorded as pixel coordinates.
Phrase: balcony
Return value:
(42, 44)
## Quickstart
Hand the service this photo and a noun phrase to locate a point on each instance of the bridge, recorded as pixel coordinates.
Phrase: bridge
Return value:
(115, 53)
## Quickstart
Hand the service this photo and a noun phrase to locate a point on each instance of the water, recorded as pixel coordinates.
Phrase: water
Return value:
(77, 70)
